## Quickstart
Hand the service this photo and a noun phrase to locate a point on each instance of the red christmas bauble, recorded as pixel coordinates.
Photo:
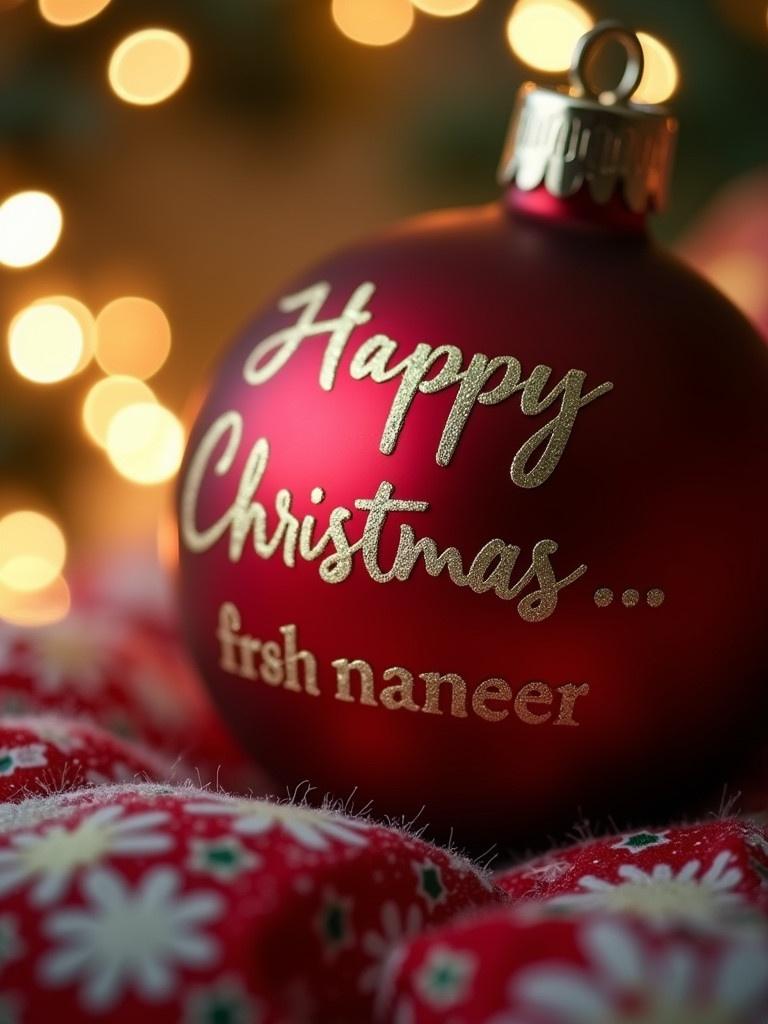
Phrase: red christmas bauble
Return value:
(473, 520)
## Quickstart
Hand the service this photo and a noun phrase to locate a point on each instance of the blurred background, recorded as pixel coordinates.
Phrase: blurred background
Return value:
(165, 167)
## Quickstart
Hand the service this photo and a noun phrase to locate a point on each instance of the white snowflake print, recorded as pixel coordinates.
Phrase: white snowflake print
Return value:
(130, 938)
(636, 842)
(52, 733)
(310, 828)
(74, 652)
(445, 977)
(49, 858)
(700, 899)
(11, 946)
(223, 1002)
(224, 857)
(31, 755)
(396, 926)
(629, 981)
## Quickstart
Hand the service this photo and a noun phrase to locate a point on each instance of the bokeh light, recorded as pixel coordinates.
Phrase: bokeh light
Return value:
(374, 22)
(38, 607)
(133, 337)
(32, 551)
(106, 398)
(660, 75)
(145, 443)
(45, 342)
(85, 319)
(149, 66)
(445, 8)
(30, 227)
(70, 12)
(543, 33)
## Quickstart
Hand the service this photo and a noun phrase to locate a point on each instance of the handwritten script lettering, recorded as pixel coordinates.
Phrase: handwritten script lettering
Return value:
(429, 369)
(494, 568)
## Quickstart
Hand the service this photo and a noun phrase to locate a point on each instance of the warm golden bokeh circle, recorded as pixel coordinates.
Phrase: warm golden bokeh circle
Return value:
(66, 13)
(145, 443)
(445, 8)
(32, 550)
(133, 337)
(85, 319)
(543, 33)
(149, 66)
(30, 228)
(374, 22)
(660, 75)
(106, 398)
(36, 608)
(46, 342)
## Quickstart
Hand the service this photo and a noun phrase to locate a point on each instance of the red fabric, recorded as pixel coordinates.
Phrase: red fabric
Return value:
(160, 904)
(526, 967)
(706, 873)
(43, 755)
(132, 680)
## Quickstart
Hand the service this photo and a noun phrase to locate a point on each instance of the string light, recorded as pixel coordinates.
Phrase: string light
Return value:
(133, 337)
(543, 33)
(66, 13)
(660, 75)
(149, 66)
(36, 608)
(85, 319)
(32, 551)
(375, 22)
(45, 342)
(106, 398)
(30, 227)
(445, 8)
(145, 443)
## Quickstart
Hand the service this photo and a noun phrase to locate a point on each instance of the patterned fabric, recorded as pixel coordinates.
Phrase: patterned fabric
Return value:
(527, 967)
(708, 876)
(124, 900)
(44, 755)
(177, 904)
(128, 678)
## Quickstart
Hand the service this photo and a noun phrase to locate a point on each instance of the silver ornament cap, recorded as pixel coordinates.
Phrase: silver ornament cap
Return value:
(581, 136)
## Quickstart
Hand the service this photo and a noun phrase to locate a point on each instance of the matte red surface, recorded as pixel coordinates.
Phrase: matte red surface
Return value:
(663, 484)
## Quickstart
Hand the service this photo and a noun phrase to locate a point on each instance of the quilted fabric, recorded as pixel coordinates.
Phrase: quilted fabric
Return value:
(527, 967)
(45, 755)
(705, 875)
(160, 904)
(132, 680)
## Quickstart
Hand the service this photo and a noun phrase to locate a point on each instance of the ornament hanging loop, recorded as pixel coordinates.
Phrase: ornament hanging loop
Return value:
(591, 137)
(591, 43)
